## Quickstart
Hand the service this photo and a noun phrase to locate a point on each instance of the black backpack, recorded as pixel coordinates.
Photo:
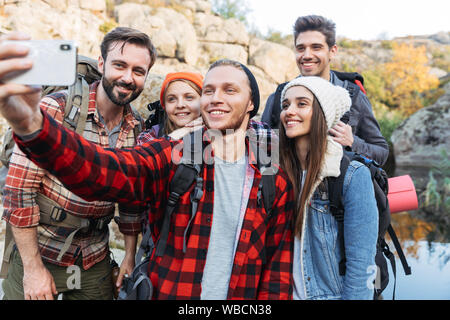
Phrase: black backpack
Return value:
(353, 82)
(380, 184)
(138, 285)
(156, 116)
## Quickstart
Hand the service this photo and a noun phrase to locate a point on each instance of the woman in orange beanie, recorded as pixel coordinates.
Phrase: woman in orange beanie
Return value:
(180, 99)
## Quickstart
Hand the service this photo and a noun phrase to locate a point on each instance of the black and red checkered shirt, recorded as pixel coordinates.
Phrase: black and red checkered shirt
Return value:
(262, 267)
(25, 180)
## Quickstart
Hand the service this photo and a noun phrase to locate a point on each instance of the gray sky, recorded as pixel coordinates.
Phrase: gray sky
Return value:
(355, 19)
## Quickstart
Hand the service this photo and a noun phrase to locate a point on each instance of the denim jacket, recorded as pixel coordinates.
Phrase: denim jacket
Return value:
(317, 253)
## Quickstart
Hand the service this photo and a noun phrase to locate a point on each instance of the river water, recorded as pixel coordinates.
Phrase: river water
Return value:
(429, 260)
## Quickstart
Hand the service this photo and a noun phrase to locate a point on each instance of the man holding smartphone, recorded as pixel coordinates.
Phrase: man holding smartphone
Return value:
(53, 258)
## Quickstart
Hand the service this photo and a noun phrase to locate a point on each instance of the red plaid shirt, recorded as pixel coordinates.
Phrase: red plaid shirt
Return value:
(262, 267)
(25, 179)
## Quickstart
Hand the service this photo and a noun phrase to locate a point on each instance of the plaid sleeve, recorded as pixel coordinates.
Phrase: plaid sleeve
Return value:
(24, 178)
(133, 176)
(146, 136)
(22, 183)
(276, 279)
(130, 222)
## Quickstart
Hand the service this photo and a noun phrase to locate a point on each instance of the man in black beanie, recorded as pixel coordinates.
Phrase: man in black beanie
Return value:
(222, 238)
(230, 96)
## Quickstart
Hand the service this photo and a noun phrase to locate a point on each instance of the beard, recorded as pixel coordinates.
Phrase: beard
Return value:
(120, 99)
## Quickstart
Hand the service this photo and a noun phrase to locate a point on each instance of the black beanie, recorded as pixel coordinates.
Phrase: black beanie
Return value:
(254, 88)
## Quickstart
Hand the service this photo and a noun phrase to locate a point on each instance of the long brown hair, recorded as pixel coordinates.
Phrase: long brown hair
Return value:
(290, 162)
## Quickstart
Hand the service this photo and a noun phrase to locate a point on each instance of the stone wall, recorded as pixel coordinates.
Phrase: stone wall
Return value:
(419, 141)
(188, 37)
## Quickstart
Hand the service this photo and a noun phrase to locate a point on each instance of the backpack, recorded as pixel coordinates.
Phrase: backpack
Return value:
(156, 116)
(353, 82)
(380, 184)
(138, 285)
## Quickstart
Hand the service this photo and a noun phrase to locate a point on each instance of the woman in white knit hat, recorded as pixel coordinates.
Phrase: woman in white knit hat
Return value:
(310, 107)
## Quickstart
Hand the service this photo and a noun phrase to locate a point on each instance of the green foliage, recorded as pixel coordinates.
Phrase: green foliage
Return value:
(238, 9)
(277, 37)
(350, 44)
(274, 36)
(437, 191)
(388, 123)
(375, 86)
(110, 4)
(430, 97)
(387, 44)
(345, 43)
(441, 58)
(344, 66)
(107, 26)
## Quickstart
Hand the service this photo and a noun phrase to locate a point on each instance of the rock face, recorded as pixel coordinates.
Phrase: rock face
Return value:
(419, 140)
(275, 60)
(186, 34)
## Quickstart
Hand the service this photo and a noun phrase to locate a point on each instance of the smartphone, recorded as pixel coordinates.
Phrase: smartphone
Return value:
(54, 63)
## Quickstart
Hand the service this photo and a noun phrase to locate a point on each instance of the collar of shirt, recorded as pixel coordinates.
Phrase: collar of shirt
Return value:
(335, 80)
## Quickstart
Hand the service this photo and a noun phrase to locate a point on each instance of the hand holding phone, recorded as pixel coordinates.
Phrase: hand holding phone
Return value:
(54, 63)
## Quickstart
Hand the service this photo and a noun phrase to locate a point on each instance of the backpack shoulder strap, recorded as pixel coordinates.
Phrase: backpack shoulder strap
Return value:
(276, 108)
(8, 249)
(137, 129)
(335, 194)
(267, 191)
(77, 104)
(352, 89)
(335, 187)
(7, 147)
(52, 214)
(185, 175)
(77, 101)
(156, 116)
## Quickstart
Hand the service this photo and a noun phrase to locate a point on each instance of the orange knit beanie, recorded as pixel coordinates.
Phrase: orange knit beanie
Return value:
(196, 78)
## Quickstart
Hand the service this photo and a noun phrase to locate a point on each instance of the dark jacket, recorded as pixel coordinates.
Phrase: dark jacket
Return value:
(368, 140)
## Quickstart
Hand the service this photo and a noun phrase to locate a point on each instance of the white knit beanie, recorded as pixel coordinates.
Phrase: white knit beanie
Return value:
(333, 100)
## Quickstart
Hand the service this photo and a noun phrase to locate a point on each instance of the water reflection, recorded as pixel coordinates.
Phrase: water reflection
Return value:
(426, 243)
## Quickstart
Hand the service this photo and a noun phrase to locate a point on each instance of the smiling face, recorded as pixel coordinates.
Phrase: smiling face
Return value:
(297, 111)
(226, 98)
(124, 72)
(182, 103)
(312, 54)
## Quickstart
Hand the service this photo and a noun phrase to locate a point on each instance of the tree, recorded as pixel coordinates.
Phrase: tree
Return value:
(407, 76)
(238, 9)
